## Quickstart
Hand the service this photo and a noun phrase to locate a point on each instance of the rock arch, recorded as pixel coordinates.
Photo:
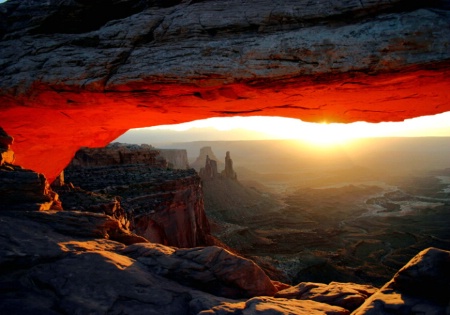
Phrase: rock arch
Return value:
(169, 62)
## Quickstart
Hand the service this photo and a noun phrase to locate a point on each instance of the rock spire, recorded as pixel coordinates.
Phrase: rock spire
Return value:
(229, 172)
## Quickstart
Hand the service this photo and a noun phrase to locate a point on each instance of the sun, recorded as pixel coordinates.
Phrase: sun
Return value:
(321, 134)
(328, 134)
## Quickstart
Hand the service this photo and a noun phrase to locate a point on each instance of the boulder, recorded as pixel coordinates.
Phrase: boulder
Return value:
(98, 282)
(422, 286)
(212, 269)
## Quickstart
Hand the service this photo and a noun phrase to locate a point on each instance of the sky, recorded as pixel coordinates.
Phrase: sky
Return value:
(259, 128)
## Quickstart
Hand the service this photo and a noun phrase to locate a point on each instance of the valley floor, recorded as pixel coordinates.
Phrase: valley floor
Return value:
(361, 231)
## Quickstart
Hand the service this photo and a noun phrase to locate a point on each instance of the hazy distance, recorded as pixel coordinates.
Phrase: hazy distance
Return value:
(288, 146)
(269, 128)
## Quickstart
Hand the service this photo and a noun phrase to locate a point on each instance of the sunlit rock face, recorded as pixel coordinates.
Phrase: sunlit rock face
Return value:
(78, 75)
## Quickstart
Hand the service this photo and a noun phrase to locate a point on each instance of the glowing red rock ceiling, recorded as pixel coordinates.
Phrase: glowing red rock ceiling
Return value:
(77, 75)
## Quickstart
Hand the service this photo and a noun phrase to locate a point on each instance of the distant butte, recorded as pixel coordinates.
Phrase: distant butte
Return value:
(78, 75)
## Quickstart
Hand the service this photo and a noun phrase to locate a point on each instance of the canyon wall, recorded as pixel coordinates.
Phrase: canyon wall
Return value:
(163, 205)
(143, 63)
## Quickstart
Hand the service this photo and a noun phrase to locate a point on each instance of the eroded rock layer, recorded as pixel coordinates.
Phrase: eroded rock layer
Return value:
(145, 63)
(163, 205)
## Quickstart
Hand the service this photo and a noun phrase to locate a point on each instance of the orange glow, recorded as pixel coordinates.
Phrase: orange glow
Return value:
(51, 122)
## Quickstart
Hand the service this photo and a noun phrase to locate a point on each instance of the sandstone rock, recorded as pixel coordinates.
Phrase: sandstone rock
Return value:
(280, 285)
(59, 180)
(6, 155)
(205, 154)
(229, 172)
(347, 295)
(163, 205)
(5, 140)
(75, 198)
(149, 63)
(22, 189)
(212, 269)
(209, 171)
(51, 264)
(275, 306)
(97, 282)
(82, 224)
(117, 154)
(422, 286)
(59, 262)
(234, 40)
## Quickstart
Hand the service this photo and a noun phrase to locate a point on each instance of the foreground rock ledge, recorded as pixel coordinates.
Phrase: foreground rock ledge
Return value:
(70, 263)
(81, 80)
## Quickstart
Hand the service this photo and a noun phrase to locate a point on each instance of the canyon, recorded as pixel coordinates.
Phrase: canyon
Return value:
(331, 214)
(74, 74)
(163, 205)
(72, 261)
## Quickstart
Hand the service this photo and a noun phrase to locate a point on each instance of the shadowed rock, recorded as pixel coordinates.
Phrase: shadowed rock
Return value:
(422, 286)
(212, 269)
(22, 189)
(6, 155)
(162, 205)
(278, 306)
(61, 262)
